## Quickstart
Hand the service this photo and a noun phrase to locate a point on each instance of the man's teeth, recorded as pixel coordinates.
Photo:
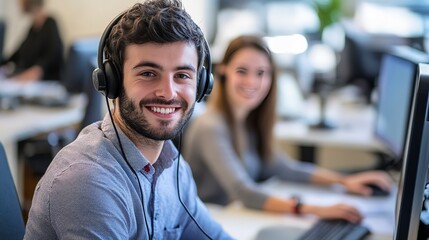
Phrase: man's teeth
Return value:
(162, 110)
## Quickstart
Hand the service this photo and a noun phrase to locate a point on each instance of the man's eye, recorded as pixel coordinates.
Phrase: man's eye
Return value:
(183, 76)
(147, 74)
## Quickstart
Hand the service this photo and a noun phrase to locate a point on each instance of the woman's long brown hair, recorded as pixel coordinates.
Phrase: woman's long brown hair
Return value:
(261, 120)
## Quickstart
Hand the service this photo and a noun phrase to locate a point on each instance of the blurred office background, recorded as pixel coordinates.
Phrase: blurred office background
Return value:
(81, 18)
(319, 45)
(315, 40)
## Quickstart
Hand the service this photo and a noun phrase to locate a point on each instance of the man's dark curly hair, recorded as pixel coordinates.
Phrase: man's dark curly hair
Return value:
(159, 21)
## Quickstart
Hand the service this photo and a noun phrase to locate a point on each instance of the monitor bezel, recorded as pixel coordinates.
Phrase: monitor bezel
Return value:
(413, 175)
(415, 57)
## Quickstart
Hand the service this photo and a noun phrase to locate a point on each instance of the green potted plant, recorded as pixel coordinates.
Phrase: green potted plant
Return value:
(328, 11)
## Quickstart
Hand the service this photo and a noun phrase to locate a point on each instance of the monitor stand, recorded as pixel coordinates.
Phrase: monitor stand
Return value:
(323, 123)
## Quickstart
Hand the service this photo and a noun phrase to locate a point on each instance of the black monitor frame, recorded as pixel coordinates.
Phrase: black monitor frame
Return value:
(408, 55)
(415, 163)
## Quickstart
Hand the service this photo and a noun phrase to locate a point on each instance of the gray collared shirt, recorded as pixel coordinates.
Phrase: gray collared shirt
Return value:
(89, 192)
(222, 175)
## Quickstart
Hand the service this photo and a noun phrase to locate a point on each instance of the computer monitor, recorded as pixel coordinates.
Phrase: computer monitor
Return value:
(415, 163)
(396, 84)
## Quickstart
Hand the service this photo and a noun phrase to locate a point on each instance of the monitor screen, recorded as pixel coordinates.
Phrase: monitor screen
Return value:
(395, 89)
(413, 176)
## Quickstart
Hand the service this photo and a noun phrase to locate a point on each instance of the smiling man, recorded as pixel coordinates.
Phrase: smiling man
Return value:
(122, 177)
(167, 90)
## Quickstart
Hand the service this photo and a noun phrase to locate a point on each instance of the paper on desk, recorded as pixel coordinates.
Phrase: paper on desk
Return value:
(43, 90)
(10, 88)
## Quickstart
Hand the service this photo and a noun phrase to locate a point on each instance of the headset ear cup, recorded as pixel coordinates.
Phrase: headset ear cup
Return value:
(205, 84)
(210, 83)
(201, 85)
(99, 80)
(113, 79)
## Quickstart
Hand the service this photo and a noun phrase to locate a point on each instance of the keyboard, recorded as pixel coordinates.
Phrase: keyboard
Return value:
(335, 230)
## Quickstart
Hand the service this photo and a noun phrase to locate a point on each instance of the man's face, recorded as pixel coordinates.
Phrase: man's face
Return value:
(159, 88)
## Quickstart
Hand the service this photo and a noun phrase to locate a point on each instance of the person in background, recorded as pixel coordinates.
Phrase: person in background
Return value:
(121, 177)
(40, 55)
(230, 146)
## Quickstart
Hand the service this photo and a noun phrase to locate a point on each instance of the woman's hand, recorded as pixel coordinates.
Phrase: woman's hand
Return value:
(358, 183)
(337, 211)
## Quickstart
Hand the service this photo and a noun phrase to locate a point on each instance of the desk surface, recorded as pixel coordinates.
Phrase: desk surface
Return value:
(354, 126)
(30, 120)
(245, 224)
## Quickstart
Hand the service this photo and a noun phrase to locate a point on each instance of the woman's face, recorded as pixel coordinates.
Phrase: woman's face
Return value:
(248, 79)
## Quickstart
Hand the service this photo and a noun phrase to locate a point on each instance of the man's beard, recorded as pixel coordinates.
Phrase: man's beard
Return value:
(136, 121)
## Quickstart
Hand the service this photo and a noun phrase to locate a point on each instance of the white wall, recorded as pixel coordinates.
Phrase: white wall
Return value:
(2, 8)
(204, 13)
(80, 18)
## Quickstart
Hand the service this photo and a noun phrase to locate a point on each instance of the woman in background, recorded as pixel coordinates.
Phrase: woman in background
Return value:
(229, 147)
(40, 55)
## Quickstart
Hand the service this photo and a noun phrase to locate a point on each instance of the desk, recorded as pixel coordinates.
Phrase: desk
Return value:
(354, 128)
(27, 121)
(245, 224)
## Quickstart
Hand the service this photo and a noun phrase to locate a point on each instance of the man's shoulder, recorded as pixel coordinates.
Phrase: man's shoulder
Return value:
(87, 166)
(90, 140)
(50, 25)
(50, 20)
(91, 150)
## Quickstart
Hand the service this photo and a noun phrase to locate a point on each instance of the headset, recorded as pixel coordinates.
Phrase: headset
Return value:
(107, 77)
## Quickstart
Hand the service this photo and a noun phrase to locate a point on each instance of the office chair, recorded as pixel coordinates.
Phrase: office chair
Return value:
(81, 59)
(11, 219)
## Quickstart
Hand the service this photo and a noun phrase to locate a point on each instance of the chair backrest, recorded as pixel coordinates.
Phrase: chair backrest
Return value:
(77, 72)
(77, 76)
(93, 110)
(12, 224)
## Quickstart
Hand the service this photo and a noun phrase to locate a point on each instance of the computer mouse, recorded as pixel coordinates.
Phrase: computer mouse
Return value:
(377, 191)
